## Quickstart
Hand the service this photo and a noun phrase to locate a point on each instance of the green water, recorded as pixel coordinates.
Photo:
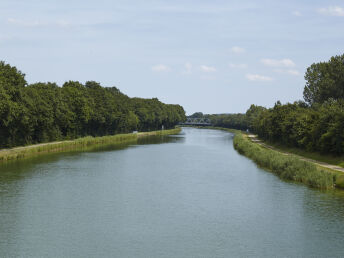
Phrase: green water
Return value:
(190, 195)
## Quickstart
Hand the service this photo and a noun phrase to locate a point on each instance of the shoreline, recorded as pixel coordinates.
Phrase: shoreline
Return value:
(288, 166)
(18, 153)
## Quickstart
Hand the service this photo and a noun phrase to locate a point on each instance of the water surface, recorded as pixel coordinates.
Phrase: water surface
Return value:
(190, 195)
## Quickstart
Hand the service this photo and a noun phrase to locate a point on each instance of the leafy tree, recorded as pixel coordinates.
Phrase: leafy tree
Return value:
(197, 115)
(325, 80)
(43, 112)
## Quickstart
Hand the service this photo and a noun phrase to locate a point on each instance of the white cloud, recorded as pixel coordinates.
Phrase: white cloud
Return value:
(238, 50)
(160, 68)
(332, 11)
(63, 23)
(239, 66)
(257, 77)
(278, 63)
(4, 38)
(208, 69)
(296, 13)
(293, 72)
(35, 23)
(24, 23)
(288, 71)
(187, 68)
(208, 78)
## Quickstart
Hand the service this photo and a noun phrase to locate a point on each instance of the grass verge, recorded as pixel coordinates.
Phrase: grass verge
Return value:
(330, 159)
(287, 167)
(80, 143)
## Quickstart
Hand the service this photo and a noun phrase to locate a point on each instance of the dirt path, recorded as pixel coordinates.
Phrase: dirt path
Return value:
(255, 139)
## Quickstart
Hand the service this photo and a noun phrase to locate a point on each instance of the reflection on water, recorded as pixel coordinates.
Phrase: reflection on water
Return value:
(189, 195)
(15, 169)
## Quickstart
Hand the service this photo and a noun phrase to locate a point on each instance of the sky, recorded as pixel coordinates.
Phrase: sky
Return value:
(216, 56)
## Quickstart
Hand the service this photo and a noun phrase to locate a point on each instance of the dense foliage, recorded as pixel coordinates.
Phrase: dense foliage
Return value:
(316, 124)
(43, 112)
(325, 80)
(318, 128)
(234, 121)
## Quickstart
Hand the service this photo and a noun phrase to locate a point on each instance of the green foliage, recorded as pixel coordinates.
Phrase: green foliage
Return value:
(234, 121)
(44, 112)
(315, 126)
(325, 80)
(319, 128)
(237, 121)
(286, 167)
(197, 115)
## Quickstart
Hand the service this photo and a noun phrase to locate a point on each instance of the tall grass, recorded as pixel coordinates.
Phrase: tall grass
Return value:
(285, 166)
(81, 143)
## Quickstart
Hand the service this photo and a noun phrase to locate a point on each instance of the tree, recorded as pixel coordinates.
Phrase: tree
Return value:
(43, 112)
(196, 115)
(325, 80)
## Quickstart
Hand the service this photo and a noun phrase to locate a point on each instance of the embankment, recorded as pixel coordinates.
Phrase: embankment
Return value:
(287, 167)
(77, 144)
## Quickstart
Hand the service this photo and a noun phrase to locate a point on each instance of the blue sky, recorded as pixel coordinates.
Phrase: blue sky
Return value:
(210, 56)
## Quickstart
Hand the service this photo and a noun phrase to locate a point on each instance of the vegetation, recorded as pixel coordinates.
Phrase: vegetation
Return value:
(313, 128)
(315, 125)
(286, 167)
(45, 112)
(234, 121)
(77, 144)
(325, 80)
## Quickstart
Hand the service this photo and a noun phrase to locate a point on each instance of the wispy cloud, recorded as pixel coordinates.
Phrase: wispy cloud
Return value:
(296, 13)
(258, 78)
(24, 23)
(209, 8)
(208, 69)
(239, 66)
(332, 11)
(208, 78)
(160, 68)
(238, 50)
(288, 71)
(36, 23)
(187, 68)
(278, 63)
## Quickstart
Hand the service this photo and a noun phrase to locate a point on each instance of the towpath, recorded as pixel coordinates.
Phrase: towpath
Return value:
(255, 139)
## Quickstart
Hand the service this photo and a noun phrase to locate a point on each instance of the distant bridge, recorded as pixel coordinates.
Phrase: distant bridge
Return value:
(197, 122)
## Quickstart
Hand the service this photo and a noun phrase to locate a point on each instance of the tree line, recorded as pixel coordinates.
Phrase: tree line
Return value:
(43, 112)
(314, 124)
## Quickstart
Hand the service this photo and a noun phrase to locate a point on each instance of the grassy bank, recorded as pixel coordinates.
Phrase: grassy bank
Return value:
(38, 149)
(287, 167)
(330, 159)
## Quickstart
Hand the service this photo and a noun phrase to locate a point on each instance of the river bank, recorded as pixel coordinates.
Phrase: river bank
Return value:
(80, 143)
(287, 165)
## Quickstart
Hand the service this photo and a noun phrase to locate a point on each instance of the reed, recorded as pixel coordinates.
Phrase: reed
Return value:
(80, 143)
(286, 167)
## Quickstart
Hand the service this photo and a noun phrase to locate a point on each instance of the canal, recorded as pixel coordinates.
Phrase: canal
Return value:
(187, 195)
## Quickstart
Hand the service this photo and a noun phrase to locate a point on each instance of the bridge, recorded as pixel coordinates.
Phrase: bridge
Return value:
(197, 122)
